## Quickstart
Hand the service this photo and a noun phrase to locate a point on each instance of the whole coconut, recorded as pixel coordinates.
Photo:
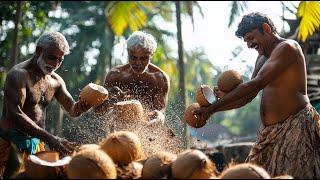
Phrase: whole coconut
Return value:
(229, 80)
(158, 166)
(192, 120)
(245, 171)
(85, 146)
(91, 164)
(123, 147)
(205, 95)
(193, 164)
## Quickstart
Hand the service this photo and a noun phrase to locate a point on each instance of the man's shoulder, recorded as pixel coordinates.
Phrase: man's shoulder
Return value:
(119, 68)
(155, 69)
(18, 71)
(289, 44)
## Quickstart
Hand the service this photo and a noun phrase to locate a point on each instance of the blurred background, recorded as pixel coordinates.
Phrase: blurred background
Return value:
(196, 43)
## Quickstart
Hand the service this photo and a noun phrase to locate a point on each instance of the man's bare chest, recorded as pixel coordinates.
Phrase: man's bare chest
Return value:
(40, 92)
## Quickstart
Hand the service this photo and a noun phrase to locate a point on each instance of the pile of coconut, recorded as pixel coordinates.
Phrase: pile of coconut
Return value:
(120, 155)
(227, 81)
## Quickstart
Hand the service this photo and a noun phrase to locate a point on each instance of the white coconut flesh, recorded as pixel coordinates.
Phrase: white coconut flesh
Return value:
(208, 94)
(61, 162)
(98, 88)
(122, 103)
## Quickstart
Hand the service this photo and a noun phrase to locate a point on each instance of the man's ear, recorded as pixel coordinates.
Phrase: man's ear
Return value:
(266, 28)
(38, 51)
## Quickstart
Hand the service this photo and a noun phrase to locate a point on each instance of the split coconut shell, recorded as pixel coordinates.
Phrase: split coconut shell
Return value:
(193, 120)
(193, 164)
(129, 111)
(229, 80)
(93, 94)
(130, 171)
(245, 171)
(91, 164)
(123, 147)
(158, 166)
(40, 168)
(205, 96)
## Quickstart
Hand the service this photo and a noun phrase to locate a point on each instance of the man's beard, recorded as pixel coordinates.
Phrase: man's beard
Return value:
(45, 68)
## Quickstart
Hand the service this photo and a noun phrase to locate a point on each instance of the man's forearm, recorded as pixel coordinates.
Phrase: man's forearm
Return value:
(237, 104)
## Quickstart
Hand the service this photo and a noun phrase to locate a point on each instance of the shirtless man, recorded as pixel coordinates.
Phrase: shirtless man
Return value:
(30, 86)
(288, 139)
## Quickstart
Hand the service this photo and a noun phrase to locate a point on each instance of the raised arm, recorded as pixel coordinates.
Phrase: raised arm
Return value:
(65, 99)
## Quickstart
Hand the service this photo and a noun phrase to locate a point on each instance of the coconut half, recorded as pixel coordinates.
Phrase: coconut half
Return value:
(129, 111)
(205, 96)
(91, 164)
(45, 164)
(123, 147)
(158, 166)
(193, 120)
(193, 164)
(93, 94)
(245, 171)
(229, 80)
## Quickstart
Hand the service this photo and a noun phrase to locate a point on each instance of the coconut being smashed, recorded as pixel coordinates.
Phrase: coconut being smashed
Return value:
(91, 164)
(193, 120)
(93, 94)
(229, 80)
(158, 166)
(123, 147)
(193, 164)
(204, 95)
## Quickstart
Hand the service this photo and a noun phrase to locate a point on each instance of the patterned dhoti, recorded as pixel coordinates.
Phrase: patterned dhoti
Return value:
(291, 147)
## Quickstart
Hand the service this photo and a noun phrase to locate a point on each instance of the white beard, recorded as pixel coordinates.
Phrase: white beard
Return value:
(43, 66)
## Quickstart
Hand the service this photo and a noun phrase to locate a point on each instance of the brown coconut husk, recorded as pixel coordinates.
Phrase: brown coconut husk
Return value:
(192, 120)
(93, 94)
(129, 111)
(123, 147)
(84, 147)
(193, 164)
(35, 170)
(91, 164)
(245, 171)
(229, 80)
(283, 177)
(158, 166)
(130, 171)
(204, 95)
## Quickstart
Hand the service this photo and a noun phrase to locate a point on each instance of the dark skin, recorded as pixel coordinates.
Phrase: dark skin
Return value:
(28, 90)
(141, 80)
(280, 72)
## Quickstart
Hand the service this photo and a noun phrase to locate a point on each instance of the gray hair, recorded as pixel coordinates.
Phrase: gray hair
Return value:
(53, 39)
(143, 40)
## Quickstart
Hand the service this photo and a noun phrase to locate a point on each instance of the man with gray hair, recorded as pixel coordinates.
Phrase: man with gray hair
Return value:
(30, 86)
(141, 79)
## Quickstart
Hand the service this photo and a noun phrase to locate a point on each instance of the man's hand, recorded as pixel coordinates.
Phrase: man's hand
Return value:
(62, 145)
(218, 93)
(155, 117)
(202, 113)
(83, 106)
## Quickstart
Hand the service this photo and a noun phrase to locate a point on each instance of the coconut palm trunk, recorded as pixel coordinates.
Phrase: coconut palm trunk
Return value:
(15, 35)
(182, 95)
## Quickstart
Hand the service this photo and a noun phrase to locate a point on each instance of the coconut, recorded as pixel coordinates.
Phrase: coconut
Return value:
(229, 80)
(44, 165)
(245, 170)
(91, 164)
(205, 96)
(123, 147)
(129, 111)
(283, 177)
(130, 171)
(193, 120)
(193, 164)
(158, 166)
(93, 94)
(84, 147)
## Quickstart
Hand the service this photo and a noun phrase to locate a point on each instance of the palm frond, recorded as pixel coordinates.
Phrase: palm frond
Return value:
(309, 12)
